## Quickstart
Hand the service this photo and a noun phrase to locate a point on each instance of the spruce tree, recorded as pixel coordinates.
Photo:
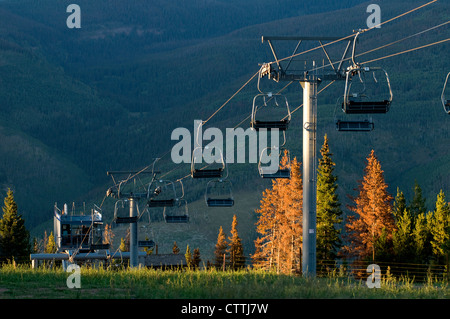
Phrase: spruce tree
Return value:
(328, 207)
(421, 235)
(373, 213)
(196, 259)
(220, 251)
(402, 238)
(14, 237)
(51, 245)
(188, 257)
(417, 205)
(279, 224)
(175, 248)
(399, 205)
(235, 249)
(440, 229)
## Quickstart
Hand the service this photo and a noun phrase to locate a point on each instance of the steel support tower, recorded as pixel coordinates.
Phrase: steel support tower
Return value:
(309, 80)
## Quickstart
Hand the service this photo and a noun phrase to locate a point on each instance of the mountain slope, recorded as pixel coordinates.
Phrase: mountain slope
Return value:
(109, 95)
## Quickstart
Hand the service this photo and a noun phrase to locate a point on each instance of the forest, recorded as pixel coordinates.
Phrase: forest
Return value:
(77, 104)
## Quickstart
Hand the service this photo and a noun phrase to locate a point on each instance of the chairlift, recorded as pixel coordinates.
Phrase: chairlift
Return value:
(163, 194)
(366, 100)
(268, 108)
(146, 243)
(118, 219)
(281, 172)
(178, 213)
(219, 193)
(212, 170)
(355, 125)
(363, 101)
(445, 101)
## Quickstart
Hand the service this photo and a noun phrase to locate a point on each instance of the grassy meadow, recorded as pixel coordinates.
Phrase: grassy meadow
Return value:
(22, 282)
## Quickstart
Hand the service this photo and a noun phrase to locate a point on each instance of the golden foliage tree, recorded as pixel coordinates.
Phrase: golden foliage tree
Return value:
(373, 219)
(279, 224)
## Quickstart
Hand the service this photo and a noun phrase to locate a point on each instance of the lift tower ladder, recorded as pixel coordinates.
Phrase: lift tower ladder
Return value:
(284, 70)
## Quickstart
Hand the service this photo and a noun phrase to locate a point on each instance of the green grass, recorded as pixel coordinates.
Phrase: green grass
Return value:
(23, 282)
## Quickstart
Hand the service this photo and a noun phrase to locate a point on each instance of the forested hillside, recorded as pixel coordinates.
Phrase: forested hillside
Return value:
(107, 96)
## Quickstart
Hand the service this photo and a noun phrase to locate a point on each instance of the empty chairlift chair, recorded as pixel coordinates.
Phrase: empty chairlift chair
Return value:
(200, 169)
(270, 111)
(178, 213)
(275, 170)
(444, 97)
(219, 193)
(269, 171)
(121, 214)
(374, 97)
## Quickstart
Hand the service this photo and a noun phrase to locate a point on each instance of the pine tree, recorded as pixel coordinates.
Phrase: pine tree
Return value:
(175, 248)
(196, 259)
(123, 246)
(417, 205)
(399, 205)
(235, 249)
(51, 245)
(188, 257)
(328, 207)
(220, 251)
(14, 237)
(440, 229)
(421, 235)
(279, 223)
(373, 212)
(402, 238)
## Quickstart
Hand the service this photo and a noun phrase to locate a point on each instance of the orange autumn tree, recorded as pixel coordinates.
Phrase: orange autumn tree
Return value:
(373, 221)
(279, 224)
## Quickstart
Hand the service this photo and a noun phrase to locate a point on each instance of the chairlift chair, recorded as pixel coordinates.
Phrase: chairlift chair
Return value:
(271, 106)
(178, 213)
(363, 102)
(163, 195)
(281, 172)
(266, 172)
(208, 171)
(352, 125)
(219, 193)
(123, 219)
(445, 101)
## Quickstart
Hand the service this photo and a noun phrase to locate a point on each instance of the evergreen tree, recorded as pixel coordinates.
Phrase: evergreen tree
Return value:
(373, 213)
(188, 257)
(399, 205)
(14, 237)
(196, 259)
(440, 229)
(279, 223)
(328, 207)
(175, 248)
(417, 205)
(421, 235)
(402, 238)
(123, 246)
(235, 249)
(220, 251)
(51, 244)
